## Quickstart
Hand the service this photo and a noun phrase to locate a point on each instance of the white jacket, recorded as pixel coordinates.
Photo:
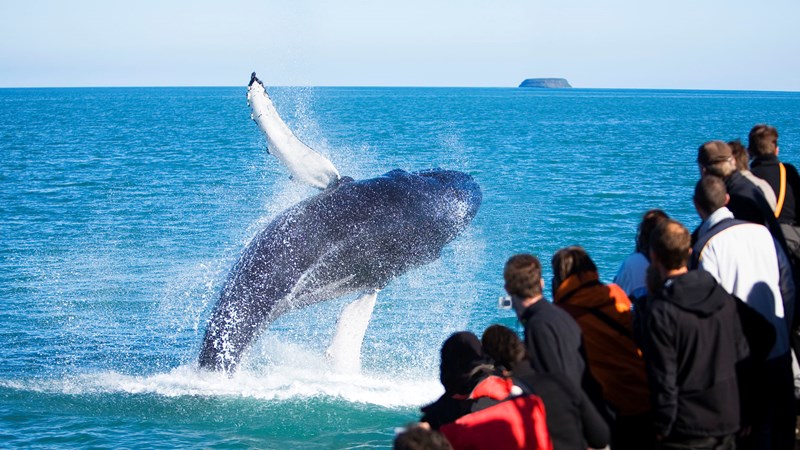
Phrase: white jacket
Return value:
(744, 259)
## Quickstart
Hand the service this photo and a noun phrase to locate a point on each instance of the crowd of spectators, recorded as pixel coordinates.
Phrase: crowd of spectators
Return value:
(691, 347)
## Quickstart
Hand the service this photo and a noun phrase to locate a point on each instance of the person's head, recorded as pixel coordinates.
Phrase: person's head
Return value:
(462, 363)
(503, 345)
(762, 141)
(716, 158)
(570, 261)
(421, 438)
(649, 221)
(523, 280)
(740, 155)
(710, 195)
(670, 246)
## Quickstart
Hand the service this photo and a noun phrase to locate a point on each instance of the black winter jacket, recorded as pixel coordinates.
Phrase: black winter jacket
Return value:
(748, 203)
(766, 167)
(693, 342)
(572, 420)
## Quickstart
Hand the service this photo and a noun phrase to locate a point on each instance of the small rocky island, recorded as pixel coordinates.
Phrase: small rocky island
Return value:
(551, 83)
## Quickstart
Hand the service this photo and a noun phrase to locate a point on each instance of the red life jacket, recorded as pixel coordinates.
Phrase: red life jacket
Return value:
(515, 422)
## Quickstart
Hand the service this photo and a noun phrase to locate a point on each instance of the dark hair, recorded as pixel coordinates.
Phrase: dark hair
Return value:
(463, 363)
(739, 155)
(418, 438)
(653, 280)
(762, 141)
(570, 261)
(710, 193)
(671, 244)
(649, 221)
(523, 276)
(503, 345)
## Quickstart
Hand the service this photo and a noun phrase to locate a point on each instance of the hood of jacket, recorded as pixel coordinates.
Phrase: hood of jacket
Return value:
(695, 291)
(586, 291)
(463, 363)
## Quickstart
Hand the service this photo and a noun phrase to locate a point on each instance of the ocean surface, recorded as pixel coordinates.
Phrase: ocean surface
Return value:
(122, 210)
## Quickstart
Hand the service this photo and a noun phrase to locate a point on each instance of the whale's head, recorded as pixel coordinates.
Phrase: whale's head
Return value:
(456, 195)
(436, 204)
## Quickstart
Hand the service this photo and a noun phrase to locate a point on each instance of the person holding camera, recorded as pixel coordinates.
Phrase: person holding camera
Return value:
(552, 338)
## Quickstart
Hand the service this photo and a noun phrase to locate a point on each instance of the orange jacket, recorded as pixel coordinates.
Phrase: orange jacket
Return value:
(614, 358)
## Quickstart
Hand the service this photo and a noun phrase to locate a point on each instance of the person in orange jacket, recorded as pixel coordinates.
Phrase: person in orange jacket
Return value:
(603, 313)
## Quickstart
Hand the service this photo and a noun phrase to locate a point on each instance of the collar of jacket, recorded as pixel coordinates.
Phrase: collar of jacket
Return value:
(767, 160)
(574, 283)
(531, 310)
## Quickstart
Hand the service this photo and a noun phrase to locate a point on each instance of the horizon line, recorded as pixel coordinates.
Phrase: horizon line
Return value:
(165, 86)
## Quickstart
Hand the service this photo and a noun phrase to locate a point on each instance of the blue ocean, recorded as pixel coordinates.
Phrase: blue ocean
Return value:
(123, 209)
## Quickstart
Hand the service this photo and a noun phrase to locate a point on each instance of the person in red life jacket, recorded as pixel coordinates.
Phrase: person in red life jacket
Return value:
(603, 312)
(572, 421)
(463, 364)
(481, 410)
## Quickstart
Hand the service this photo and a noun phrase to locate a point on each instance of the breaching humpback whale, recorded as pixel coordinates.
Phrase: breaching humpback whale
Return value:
(351, 238)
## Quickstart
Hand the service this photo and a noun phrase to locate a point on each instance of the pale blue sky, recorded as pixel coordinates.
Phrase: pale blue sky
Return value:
(691, 44)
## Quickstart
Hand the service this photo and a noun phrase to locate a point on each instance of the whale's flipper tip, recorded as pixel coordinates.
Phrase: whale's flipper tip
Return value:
(254, 79)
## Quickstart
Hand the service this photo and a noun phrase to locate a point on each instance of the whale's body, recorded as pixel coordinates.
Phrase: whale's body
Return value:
(353, 237)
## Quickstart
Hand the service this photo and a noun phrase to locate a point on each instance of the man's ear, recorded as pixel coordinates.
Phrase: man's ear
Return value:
(727, 199)
(696, 208)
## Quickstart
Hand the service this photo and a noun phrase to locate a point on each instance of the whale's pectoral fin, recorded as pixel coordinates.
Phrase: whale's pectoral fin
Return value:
(304, 164)
(344, 351)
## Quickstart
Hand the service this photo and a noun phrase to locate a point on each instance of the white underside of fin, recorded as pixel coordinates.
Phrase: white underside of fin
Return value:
(304, 164)
(344, 351)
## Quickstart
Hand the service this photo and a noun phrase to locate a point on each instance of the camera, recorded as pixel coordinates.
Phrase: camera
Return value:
(504, 302)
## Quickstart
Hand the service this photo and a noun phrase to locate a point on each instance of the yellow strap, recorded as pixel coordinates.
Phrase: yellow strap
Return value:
(782, 193)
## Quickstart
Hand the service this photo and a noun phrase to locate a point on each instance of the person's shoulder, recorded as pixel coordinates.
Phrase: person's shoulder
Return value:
(546, 385)
(740, 184)
(555, 311)
(790, 168)
(659, 307)
(547, 315)
(631, 266)
(541, 311)
(616, 292)
(753, 235)
(635, 259)
(557, 383)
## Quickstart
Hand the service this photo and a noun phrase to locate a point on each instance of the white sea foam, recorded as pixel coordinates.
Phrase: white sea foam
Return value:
(279, 384)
